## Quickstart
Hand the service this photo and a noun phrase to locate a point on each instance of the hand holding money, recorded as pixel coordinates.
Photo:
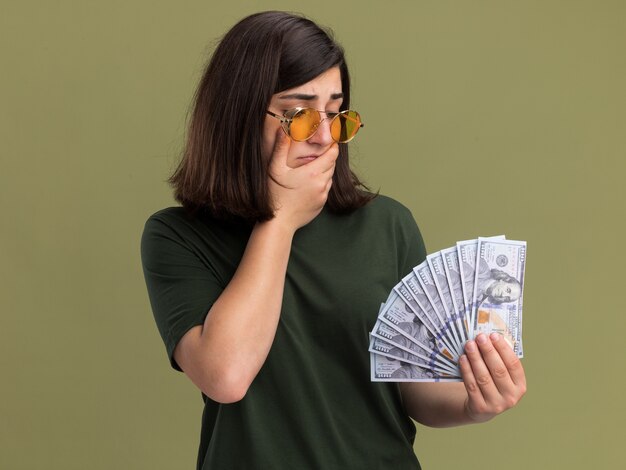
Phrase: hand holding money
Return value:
(435, 313)
(493, 376)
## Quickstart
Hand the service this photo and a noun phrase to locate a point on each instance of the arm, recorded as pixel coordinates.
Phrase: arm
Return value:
(493, 382)
(223, 356)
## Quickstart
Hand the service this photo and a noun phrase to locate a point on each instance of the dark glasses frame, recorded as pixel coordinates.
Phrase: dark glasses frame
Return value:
(287, 118)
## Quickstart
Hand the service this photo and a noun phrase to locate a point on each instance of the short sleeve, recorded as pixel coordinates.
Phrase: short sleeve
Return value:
(181, 287)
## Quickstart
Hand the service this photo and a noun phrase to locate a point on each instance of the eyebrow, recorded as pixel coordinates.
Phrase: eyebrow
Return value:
(305, 97)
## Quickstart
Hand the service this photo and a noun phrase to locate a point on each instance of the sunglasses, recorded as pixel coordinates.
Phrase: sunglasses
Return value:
(302, 123)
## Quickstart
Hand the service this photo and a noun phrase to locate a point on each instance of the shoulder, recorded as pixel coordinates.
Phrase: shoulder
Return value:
(178, 220)
(382, 217)
(386, 203)
(163, 231)
(393, 221)
(388, 208)
(172, 229)
(393, 213)
(171, 217)
(176, 230)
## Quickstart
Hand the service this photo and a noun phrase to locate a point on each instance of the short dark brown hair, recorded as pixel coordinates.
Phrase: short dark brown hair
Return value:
(222, 169)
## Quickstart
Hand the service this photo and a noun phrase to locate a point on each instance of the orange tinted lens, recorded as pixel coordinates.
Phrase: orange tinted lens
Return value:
(345, 126)
(304, 124)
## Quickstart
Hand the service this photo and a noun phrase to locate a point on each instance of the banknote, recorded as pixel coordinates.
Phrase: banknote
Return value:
(385, 369)
(425, 279)
(498, 294)
(473, 287)
(412, 294)
(399, 316)
(382, 347)
(467, 268)
(414, 345)
(453, 276)
(436, 264)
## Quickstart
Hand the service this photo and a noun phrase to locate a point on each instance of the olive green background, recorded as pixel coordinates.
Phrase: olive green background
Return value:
(483, 117)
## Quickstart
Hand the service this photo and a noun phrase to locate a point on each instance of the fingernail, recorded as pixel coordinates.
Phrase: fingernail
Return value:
(463, 359)
(470, 346)
(494, 337)
(481, 339)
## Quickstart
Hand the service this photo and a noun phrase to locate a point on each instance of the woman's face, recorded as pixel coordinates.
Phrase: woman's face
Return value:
(323, 93)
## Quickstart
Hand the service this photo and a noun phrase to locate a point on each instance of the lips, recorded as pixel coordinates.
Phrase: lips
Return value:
(307, 158)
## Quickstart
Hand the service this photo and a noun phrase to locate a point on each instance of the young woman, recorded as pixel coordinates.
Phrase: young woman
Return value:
(266, 282)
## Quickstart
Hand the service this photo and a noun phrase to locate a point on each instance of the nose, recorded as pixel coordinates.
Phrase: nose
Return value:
(322, 136)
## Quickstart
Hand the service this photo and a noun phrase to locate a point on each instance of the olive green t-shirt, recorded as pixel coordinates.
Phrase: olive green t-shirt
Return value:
(312, 404)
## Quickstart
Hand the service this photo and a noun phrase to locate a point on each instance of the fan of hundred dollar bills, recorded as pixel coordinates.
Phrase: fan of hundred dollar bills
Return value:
(474, 287)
